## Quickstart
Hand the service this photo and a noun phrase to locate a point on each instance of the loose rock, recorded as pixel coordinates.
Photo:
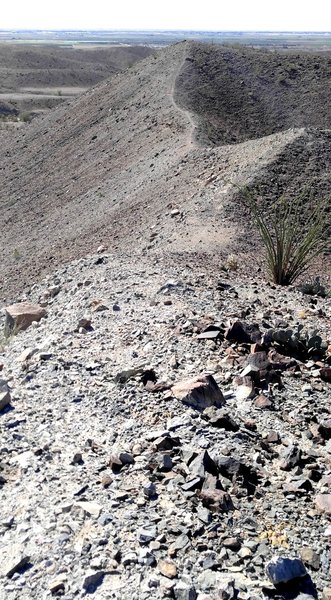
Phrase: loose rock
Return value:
(5, 397)
(199, 392)
(13, 559)
(167, 568)
(323, 503)
(20, 316)
(281, 569)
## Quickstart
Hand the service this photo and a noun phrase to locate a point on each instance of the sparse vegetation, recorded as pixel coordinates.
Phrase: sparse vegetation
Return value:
(26, 117)
(3, 341)
(293, 232)
(301, 314)
(300, 342)
(6, 335)
(231, 262)
(12, 118)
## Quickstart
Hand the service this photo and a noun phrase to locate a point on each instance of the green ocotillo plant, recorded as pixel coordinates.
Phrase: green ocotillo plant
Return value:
(293, 233)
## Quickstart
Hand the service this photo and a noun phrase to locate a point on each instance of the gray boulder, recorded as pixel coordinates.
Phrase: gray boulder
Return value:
(282, 569)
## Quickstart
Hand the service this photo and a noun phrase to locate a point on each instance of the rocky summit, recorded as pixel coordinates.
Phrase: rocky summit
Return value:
(165, 434)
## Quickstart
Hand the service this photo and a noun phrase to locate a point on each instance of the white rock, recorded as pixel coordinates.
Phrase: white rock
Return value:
(12, 559)
(91, 508)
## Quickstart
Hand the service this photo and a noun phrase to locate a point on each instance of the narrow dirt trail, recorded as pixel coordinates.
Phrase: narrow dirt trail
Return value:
(190, 143)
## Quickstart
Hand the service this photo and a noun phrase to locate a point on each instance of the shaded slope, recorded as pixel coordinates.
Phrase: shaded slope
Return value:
(7, 109)
(242, 93)
(303, 166)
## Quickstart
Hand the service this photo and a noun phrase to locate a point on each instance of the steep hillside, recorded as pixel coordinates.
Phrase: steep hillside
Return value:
(121, 165)
(241, 93)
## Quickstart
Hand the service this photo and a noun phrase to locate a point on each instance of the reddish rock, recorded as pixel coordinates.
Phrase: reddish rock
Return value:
(233, 543)
(298, 486)
(279, 361)
(243, 333)
(323, 503)
(263, 402)
(199, 392)
(167, 568)
(256, 348)
(216, 500)
(258, 361)
(20, 316)
(272, 437)
(249, 424)
(325, 374)
(106, 481)
(85, 323)
(291, 458)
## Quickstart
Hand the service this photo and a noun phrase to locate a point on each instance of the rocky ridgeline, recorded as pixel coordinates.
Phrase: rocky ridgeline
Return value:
(165, 433)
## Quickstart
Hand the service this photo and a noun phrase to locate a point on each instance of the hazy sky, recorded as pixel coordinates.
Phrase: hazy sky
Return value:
(297, 15)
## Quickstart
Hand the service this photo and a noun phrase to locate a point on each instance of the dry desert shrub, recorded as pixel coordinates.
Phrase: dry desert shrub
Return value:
(293, 232)
(231, 263)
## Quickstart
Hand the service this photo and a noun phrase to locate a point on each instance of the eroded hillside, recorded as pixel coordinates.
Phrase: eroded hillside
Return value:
(126, 163)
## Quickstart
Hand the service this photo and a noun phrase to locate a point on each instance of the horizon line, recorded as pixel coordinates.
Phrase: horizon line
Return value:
(119, 30)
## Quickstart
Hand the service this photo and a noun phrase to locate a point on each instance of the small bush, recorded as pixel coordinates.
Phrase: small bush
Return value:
(6, 335)
(293, 233)
(231, 263)
(26, 117)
